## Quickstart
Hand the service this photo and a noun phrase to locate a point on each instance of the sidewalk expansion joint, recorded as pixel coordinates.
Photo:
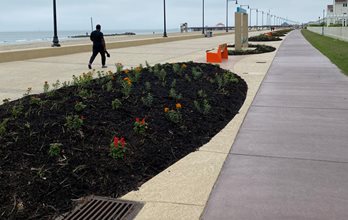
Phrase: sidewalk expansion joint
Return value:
(289, 158)
(299, 107)
(215, 152)
(173, 203)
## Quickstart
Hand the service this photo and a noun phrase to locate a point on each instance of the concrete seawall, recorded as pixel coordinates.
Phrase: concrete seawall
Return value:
(334, 32)
(25, 54)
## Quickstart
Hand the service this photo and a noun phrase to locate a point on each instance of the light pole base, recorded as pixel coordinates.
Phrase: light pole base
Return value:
(55, 45)
(165, 34)
(55, 42)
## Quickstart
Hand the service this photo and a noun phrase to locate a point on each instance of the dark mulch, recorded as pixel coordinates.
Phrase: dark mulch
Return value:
(258, 49)
(38, 185)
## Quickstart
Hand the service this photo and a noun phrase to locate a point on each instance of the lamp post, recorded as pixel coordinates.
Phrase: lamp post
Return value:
(227, 13)
(202, 16)
(322, 29)
(262, 18)
(250, 13)
(55, 37)
(165, 20)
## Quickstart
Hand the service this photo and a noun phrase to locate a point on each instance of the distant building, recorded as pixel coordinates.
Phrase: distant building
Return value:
(338, 12)
(220, 25)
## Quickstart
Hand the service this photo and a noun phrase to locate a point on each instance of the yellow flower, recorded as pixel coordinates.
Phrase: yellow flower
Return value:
(126, 71)
(166, 110)
(183, 66)
(129, 83)
(178, 105)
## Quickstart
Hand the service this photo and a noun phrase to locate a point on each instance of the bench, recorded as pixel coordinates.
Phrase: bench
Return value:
(216, 57)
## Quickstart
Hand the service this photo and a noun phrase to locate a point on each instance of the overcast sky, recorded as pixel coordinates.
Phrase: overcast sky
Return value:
(36, 15)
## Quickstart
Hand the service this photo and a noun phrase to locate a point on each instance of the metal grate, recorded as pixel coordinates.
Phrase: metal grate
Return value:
(100, 208)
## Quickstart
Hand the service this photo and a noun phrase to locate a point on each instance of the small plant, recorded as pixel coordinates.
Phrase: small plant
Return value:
(116, 104)
(85, 94)
(17, 110)
(177, 68)
(147, 100)
(174, 95)
(187, 77)
(46, 87)
(230, 77)
(28, 92)
(148, 86)
(109, 86)
(157, 69)
(203, 107)
(126, 87)
(162, 75)
(173, 83)
(119, 67)
(201, 94)
(55, 149)
(35, 100)
(5, 101)
(79, 106)
(3, 126)
(197, 73)
(56, 85)
(147, 65)
(173, 115)
(73, 122)
(118, 148)
(140, 126)
(83, 79)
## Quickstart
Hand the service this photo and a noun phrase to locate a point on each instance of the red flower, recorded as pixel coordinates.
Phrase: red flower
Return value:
(123, 142)
(116, 142)
(137, 120)
(143, 121)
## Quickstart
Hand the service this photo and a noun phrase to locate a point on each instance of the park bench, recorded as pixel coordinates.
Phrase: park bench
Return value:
(217, 56)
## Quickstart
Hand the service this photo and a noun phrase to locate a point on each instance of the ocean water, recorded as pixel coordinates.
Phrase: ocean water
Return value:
(22, 37)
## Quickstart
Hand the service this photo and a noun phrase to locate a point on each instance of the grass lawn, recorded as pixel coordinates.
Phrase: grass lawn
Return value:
(335, 50)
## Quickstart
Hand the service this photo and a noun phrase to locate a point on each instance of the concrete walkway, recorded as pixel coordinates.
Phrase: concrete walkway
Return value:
(290, 158)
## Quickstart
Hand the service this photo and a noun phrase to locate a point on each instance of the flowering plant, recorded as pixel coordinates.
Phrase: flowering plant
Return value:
(119, 67)
(140, 126)
(118, 148)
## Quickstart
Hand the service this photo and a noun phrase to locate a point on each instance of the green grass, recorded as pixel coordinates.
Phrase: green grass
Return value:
(335, 50)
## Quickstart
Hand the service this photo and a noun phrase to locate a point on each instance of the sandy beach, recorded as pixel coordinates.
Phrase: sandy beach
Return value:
(86, 40)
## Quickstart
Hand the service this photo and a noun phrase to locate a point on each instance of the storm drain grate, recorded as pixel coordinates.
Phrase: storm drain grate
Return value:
(100, 208)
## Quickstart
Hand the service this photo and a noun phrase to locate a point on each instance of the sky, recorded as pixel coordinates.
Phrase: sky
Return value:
(37, 15)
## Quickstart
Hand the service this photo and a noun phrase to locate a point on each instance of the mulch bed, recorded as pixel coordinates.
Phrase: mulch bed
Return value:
(263, 37)
(258, 49)
(61, 145)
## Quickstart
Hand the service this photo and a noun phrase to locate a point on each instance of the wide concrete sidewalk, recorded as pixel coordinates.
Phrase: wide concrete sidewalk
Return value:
(290, 158)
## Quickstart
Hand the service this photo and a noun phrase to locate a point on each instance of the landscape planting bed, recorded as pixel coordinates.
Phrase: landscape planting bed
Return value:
(106, 135)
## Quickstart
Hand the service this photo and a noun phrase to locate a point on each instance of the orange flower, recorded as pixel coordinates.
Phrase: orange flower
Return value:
(178, 105)
(127, 79)
(166, 110)
(126, 71)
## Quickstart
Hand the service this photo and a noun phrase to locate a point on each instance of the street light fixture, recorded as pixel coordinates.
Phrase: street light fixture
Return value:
(227, 12)
(55, 37)
(165, 20)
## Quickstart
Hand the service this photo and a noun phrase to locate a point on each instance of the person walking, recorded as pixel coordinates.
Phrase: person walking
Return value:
(98, 46)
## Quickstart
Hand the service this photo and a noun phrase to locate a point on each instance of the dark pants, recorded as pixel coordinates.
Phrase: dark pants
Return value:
(95, 53)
